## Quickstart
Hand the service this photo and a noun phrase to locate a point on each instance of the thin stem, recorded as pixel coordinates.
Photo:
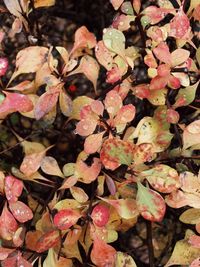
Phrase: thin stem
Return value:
(150, 243)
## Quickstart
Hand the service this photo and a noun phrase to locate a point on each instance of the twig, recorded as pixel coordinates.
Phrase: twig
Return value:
(150, 243)
(141, 30)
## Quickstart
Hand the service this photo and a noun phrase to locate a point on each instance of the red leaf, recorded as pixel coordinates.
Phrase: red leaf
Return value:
(4, 252)
(45, 103)
(100, 215)
(194, 240)
(162, 53)
(21, 211)
(8, 224)
(15, 102)
(179, 25)
(64, 219)
(13, 188)
(87, 174)
(102, 254)
(47, 241)
(3, 66)
(125, 114)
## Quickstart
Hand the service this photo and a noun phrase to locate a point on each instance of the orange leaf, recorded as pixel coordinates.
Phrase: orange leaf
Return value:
(47, 241)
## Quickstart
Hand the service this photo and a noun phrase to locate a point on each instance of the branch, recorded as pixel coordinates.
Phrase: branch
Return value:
(150, 243)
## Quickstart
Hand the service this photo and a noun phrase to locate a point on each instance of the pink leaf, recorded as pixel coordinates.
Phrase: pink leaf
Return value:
(103, 55)
(125, 114)
(100, 215)
(116, 3)
(113, 103)
(93, 143)
(141, 91)
(86, 127)
(3, 66)
(195, 263)
(21, 211)
(179, 56)
(87, 174)
(162, 53)
(137, 5)
(46, 102)
(194, 240)
(113, 75)
(172, 116)
(83, 39)
(4, 252)
(174, 82)
(65, 218)
(180, 25)
(8, 224)
(158, 83)
(15, 102)
(102, 254)
(13, 188)
(97, 107)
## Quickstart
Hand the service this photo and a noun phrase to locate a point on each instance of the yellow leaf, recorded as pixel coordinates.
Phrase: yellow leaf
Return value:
(43, 3)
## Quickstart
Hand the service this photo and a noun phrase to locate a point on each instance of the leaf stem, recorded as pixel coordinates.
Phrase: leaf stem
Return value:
(150, 243)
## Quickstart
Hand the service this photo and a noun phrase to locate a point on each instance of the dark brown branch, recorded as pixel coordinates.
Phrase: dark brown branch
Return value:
(150, 243)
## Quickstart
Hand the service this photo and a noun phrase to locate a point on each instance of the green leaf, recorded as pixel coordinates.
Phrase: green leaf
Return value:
(186, 95)
(150, 204)
(114, 40)
(115, 152)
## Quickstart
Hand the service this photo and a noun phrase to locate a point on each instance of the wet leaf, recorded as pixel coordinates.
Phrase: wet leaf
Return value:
(186, 95)
(125, 114)
(50, 166)
(47, 241)
(79, 194)
(93, 143)
(83, 39)
(162, 53)
(102, 254)
(15, 102)
(115, 152)
(21, 211)
(191, 134)
(13, 188)
(86, 127)
(4, 252)
(113, 103)
(179, 56)
(150, 204)
(3, 66)
(114, 40)
(64, 219)
(123, 259)
(100, 215)
(103, 55)
(183, 254)
(116, 3)
(162, 178)
(90, 68)
(78, 104)
(65, 103)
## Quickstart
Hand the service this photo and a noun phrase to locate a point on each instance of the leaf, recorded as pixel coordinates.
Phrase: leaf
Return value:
(21, 211)
(123, 259)
(198, 53)
(190, 216)
(52, 260)
(47, 241)
(183, 254)
(31, 163)
(179, 56)
(15, 102)
(13, 188)
(100, 215)
(194, 240)
(137, 5)
(177, 29)
(14, 7)
(150, 204)
(191, 134)
(162, 53)
(126, 208)
(125, 114)
(65, 103)
(162, 178)
(113, 103)
(32, 238)
(186, 95)
(114, 40)
(50, 166)
(89, 67)
(87, 174)
(8, 224)
(78, 194)
(83, 39)
(65, 218)
(157, 97)
(69, 169)
(195, 263)
(86, 127)
(127, 8)
(47, 101)
(102, 254)
(93, 143)
(5, 252)
(78, 104)
(103, 55)
(115, 152)
(30, 60)
(116, 3)
(43, 3)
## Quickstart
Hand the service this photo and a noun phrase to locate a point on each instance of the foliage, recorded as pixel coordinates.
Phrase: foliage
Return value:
(138, 157)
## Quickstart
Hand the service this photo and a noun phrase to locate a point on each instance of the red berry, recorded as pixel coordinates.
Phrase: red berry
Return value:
(100, 215)
(72, 88)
